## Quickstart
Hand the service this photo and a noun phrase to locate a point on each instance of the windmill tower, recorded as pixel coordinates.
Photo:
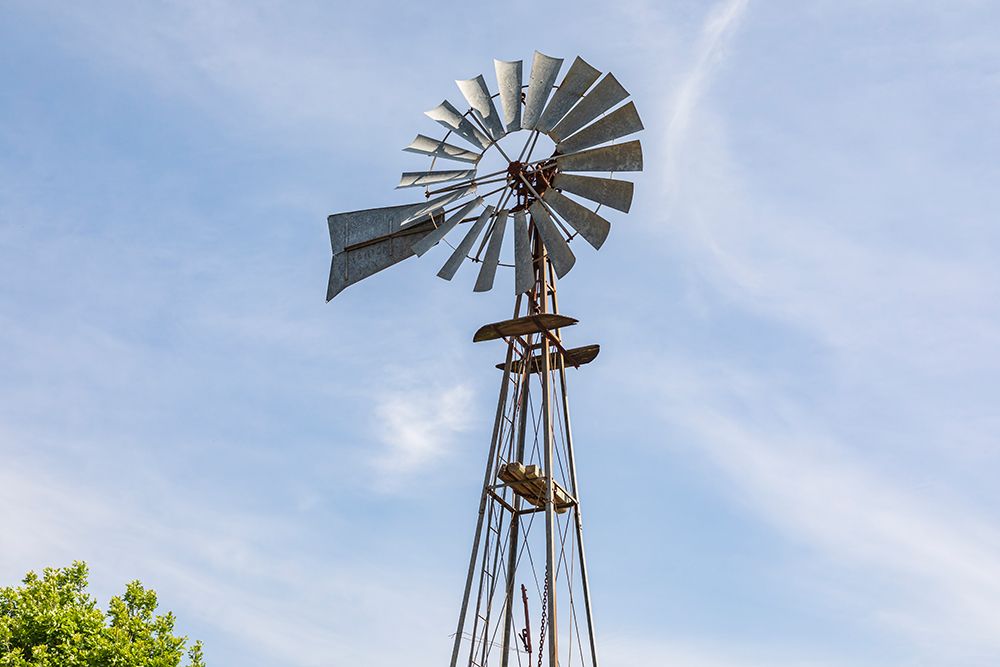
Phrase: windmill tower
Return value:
(526, 599)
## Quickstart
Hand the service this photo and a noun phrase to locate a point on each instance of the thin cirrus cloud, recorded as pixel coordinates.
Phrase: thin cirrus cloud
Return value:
(416, 425)
(834, 453)
(937, 562)
(719, 27)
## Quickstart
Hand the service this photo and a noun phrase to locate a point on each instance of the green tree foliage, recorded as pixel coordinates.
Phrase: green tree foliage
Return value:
(51, 621)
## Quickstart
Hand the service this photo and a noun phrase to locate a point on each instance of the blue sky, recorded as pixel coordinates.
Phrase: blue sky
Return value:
(787, 448)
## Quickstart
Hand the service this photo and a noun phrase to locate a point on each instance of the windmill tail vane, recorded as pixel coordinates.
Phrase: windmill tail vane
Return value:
(529, 528)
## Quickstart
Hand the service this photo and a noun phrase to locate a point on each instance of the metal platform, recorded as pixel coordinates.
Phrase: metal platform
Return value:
(521, 326)
(529, 483)
(576, 357)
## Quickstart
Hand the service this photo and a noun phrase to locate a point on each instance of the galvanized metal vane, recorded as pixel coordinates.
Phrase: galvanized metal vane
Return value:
(582, 115)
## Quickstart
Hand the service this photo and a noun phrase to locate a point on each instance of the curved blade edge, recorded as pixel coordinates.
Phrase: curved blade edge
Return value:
(544, 70)
(590, 225)
(488, 272)
(618, 157)
(451, 266)
(524, 275)
(608, 191)
(431, 239)
(560, 255)
(619, 123)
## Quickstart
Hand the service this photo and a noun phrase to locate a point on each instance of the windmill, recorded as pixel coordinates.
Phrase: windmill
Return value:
(526, 598)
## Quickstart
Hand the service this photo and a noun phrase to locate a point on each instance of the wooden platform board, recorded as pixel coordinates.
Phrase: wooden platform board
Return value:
(529, 483)
(520, 326)
(577, 356)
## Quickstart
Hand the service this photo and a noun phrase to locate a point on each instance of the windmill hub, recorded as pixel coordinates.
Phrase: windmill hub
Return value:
(528, 182)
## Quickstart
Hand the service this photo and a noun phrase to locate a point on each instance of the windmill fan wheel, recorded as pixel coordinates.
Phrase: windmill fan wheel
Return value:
(584, 117)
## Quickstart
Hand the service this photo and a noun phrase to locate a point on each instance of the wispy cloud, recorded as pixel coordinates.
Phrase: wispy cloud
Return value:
(938, 562)
(719, 27)
(416, 425)
(903, 331)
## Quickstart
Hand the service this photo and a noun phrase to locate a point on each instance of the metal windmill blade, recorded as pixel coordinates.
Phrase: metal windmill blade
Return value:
(579, 78)
(546, 201)
(478, 95)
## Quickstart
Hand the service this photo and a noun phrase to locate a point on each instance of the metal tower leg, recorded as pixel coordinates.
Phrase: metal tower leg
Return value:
(550, 518)
(482, 504)
(522, 414)
(578, 519)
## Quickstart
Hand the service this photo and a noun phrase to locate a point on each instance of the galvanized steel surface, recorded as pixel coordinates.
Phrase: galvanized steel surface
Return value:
(607, 93)
(478, 96)
(439, 202)
(488, 272)
(523, 273)
(509, 81)
(412, 179)
(608, 191)
(432, 239)
(590, 225)
(438, 148)
(560, 255)
(544, 70)
(619, 123)
(365, 242)
(580, 115)
(451, 266)
(620, 157)
(448, 116)
(576, 82)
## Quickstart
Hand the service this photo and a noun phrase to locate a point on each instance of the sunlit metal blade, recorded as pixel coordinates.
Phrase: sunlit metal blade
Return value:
(461, 252)
(509, 82)
(620, 157)
(429, 241)
(439, 202)
(450, 118)
(524, 275)
(543, 74)
(607, 93)
(488, 272)
(366, 242)
(560, 255)
(412, 179)
(481, 101)
(591, 226)
(619, 123)
(607, 191)
(437, 148)
(578, 79)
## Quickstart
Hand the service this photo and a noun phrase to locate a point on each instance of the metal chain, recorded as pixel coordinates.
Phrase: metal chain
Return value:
(545, 604)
